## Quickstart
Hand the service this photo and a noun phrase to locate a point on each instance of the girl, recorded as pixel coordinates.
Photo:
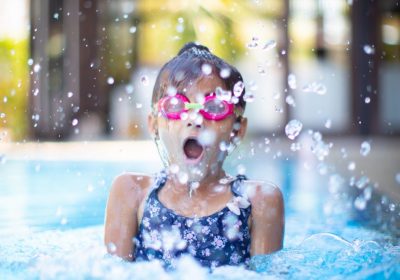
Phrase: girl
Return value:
(193, 207)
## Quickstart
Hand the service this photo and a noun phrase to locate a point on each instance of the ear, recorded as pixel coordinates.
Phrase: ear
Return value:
(243, 128)
(152, 125)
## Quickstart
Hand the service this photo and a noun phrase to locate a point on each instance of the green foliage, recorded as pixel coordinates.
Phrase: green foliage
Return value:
(14, 82)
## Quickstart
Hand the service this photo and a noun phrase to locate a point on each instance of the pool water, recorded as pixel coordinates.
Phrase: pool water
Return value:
(52, 212)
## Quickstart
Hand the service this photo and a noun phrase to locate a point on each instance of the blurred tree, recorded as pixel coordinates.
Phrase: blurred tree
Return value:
(13, 87)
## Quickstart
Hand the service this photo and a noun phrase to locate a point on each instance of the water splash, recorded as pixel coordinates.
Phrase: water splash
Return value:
(315, 87)
(369, 49)
(238, 89)
(144, 79)
(292, 81)
(365, 148)
(293, 128)
(253, 43)
(206, 69)
(290, 101)
(269, 45)
(110, 80)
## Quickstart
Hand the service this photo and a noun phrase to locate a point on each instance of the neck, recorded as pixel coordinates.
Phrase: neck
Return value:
(208, 185)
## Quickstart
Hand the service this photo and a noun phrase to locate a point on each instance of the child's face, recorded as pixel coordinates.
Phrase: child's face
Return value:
(194, 143)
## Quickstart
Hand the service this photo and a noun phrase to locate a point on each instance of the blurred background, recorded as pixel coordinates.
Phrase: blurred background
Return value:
(83, 71)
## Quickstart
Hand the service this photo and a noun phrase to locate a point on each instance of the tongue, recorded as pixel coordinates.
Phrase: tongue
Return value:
(192, 149)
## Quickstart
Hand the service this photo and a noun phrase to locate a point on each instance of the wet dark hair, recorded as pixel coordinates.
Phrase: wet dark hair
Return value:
(186, 68)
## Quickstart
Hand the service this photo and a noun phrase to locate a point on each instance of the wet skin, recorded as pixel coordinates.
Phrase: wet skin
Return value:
(128, 192)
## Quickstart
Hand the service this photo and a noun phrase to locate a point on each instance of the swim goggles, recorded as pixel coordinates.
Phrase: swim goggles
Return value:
(212, 108)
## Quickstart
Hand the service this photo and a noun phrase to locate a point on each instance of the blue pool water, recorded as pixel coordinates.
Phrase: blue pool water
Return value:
(51, 216)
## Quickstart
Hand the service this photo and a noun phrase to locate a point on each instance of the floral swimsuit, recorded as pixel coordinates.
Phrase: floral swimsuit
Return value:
(222, 238)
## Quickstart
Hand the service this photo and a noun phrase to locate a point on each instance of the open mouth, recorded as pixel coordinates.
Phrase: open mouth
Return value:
(192, 148)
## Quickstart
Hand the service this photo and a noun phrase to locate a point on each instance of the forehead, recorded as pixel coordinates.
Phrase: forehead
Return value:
(203, 85)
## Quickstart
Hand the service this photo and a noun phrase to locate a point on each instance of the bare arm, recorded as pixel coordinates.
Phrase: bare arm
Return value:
(267, 223)
(121, 220)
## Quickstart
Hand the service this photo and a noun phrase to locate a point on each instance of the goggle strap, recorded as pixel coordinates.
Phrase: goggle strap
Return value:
(237, 111)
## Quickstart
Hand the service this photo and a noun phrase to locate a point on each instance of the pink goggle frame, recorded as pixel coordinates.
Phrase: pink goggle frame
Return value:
(212, 108)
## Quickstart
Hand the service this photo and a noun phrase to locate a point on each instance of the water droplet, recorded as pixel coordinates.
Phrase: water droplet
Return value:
(261, 70)
(290, 101)
(110, 80)
(368, 49)
(292, 81)
(36, 117)
(253, 43)
(360, 203)
(180, 28)
(365, 148)
(111, 247)
(206, 69)
(367, 100)
(224, 95)
(367, 193)
(55, 15)
(144, 79)
(234, 100)
(132, 29)
(183, 177)
(30, 61)
(225, 73)
(180, 20)
(171, 91)
(362, 182)
(277, 96)
(241, 169)
(223, 146)
(129, 89)
(74, 122)
(293, 128)
(207, 137)
(269, 45)
(238, 89)
(70, 94)
(328, 123)
(36, 68)
(344, 152)
(315, 87)
(174, 168)
(351, 166)
(248, 97)
(295, 147)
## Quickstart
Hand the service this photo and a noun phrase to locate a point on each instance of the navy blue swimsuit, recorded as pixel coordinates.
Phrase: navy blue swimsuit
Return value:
(222, 238)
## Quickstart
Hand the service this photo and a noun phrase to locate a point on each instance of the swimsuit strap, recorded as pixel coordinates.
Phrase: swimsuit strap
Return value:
(237, 183)
(162, 176)
(161, 179)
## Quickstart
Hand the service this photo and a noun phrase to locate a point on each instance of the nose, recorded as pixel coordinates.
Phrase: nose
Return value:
(195, 119)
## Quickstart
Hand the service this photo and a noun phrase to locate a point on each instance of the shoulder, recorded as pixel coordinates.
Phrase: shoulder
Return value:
(265, 198)
(131, 187)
